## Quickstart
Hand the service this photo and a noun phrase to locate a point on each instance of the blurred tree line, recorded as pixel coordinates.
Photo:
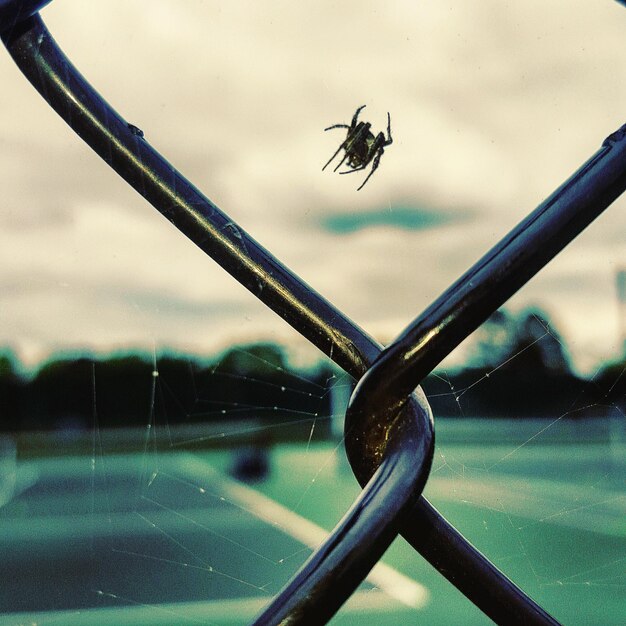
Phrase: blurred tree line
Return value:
(519, 368)
(137, 389)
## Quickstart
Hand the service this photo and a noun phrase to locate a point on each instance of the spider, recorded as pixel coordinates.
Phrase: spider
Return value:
(361, 146)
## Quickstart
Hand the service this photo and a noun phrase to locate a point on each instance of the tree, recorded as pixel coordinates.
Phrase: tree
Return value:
(11, 385)
(528, 341)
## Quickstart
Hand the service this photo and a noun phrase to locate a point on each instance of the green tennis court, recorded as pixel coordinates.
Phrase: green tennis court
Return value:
(161, 537)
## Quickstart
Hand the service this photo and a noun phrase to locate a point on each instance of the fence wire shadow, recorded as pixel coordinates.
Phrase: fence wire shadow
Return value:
(389, 430)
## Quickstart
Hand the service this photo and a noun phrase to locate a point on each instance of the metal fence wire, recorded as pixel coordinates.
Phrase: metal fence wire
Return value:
(389, 430)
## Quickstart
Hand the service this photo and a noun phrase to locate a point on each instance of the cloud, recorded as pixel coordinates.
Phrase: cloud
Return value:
(492, 105)
(402, 218)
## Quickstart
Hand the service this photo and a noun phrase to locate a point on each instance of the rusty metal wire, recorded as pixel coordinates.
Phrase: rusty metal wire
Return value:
(389, 426)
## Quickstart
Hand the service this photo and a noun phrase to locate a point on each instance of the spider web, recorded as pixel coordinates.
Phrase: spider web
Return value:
(180, 531)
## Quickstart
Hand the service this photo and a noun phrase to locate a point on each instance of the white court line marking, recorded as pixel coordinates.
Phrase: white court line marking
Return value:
(386, 578)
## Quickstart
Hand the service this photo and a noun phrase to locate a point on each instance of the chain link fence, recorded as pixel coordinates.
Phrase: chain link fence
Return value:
(389, 428)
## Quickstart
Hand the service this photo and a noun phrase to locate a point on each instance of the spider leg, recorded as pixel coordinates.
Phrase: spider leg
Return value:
(390, 140)
(374, 166)
(337, 126)
(356, 169)
(345, 156)
(356, 115)
(339, 149)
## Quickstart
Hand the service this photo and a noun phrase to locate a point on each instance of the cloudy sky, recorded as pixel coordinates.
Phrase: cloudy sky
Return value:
(493, 104)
